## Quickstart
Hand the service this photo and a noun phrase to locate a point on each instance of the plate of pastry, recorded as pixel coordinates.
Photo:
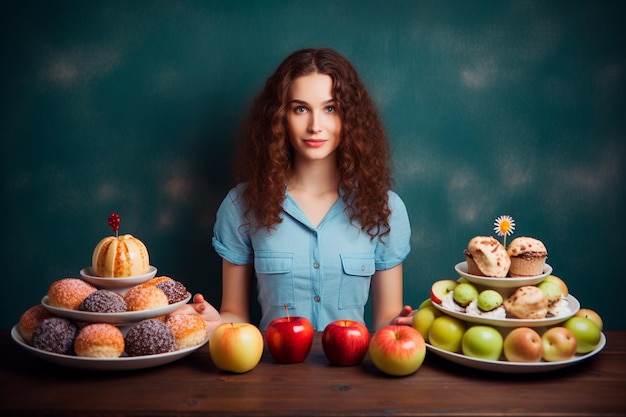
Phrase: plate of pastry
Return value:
(507, 282)
(124, 318)
(122, 363)
(514, 367)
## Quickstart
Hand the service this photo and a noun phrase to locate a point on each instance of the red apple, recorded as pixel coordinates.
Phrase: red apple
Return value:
(441, 288)
(523, 344)
(345, 342)
(397, 350)
(289, 339)
(559, 344)
(236, 347)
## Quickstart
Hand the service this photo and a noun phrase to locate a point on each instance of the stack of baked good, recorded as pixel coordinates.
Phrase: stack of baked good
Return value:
(77, 317)
(505, 288)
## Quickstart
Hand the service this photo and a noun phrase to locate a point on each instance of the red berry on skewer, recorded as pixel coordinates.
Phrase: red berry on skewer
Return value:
(114, 222)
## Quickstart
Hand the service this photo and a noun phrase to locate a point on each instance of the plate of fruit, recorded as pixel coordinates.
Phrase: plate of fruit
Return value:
(560, 358)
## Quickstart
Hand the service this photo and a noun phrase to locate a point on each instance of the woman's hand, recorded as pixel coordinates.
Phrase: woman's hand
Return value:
(405, 317)
(202, 308)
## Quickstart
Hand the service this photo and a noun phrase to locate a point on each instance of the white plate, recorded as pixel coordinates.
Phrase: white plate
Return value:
(117, 283)
(123, 363)
(513, 367)
(128, 317)
(573, 303)
(461, 269)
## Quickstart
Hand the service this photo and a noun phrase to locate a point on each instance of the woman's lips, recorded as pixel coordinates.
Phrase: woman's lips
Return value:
(315, 143)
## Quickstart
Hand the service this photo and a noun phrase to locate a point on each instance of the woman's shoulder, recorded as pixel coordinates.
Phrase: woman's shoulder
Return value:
(394, 198)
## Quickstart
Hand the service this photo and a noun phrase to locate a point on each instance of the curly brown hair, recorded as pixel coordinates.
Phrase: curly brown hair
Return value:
(265, 155)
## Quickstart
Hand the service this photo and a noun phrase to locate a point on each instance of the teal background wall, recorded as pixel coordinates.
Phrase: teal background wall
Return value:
(492, 107)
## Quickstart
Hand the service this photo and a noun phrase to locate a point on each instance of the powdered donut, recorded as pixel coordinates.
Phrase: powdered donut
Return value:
(188, 329)
(103, 301)
(68, 293)
(31, 319)
(55, 335)
(149, 337)
(145, 298)
(99, 340)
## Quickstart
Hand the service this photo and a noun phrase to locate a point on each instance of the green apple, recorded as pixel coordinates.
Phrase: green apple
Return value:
(559, 344)
(550, 289)
(489, 300)
(482, 342)
(427, 302)
(423, 319)
(586, 332)
(446, 333)
(465, 293)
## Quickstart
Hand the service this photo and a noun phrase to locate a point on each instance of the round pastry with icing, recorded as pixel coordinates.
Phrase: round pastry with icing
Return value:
(527, 302)
(528, 257)
(103, 301)
(145, 297)
(188, 329)
(69, 293)
(487, 257)
(149, 337)
(31, 319)
(99, 340)
(55, 335)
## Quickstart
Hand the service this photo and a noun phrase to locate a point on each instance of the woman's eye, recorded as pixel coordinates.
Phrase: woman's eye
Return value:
(330, 109)
(300, 109)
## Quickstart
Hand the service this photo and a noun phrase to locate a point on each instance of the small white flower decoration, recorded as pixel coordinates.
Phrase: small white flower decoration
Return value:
(504, 226)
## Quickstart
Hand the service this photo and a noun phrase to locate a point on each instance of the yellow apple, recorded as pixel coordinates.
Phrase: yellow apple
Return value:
(591, 315)
(424, 318)
(236, 347)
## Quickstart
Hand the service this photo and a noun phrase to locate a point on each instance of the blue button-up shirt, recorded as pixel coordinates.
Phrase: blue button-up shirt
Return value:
(322, 273)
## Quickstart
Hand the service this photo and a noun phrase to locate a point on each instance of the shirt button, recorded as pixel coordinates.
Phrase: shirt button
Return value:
(316, 298)
(362, 268)
(316, 265)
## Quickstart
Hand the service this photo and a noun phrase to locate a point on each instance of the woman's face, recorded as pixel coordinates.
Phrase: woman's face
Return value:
(313, 122)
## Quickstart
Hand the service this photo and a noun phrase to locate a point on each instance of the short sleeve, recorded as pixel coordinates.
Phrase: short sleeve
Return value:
(395, 247)
(231, 239)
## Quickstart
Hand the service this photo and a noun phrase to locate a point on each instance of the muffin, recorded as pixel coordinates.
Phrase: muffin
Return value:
(527, 302)
(487, 257)
(528, 257)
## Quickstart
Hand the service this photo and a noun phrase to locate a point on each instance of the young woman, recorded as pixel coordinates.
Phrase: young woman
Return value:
(313, 218)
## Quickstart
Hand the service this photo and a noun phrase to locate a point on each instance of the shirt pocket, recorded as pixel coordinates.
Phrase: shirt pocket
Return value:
(275, 285)
(357, 271)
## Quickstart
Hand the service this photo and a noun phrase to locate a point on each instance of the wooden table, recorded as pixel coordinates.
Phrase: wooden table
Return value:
(193, 386)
